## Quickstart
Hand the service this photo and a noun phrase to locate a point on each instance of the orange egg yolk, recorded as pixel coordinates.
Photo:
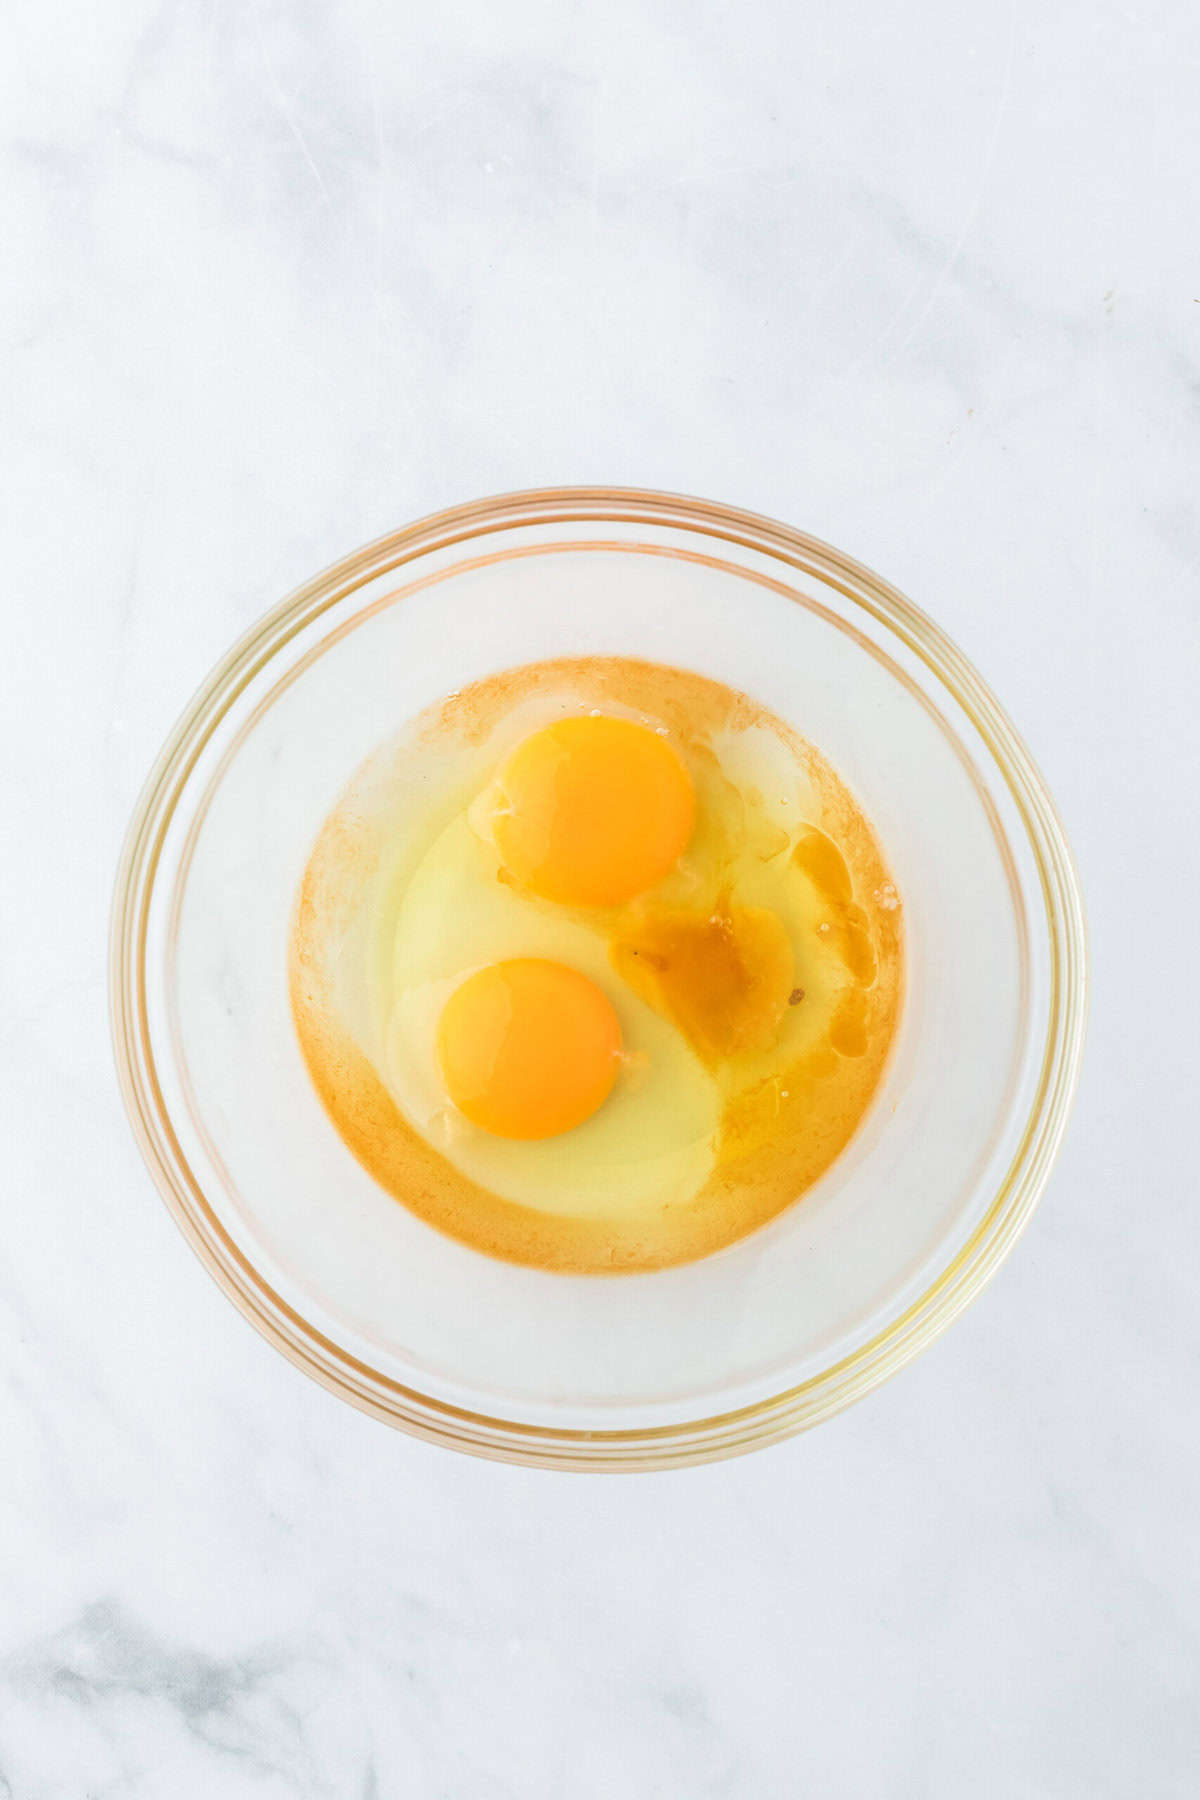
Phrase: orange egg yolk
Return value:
(528, 1048)
(593, 810)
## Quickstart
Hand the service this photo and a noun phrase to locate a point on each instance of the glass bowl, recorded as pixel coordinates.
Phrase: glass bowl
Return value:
(686, 1364)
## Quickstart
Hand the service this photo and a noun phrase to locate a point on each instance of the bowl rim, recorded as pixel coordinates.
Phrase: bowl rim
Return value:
(729, 1433)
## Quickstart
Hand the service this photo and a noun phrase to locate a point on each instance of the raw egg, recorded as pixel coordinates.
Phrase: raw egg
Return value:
(597, 966)
(528, 1048)
(445, 926)
(593, 810)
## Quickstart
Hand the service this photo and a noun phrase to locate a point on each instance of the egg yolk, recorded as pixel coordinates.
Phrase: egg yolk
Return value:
(593, 810)
(528, 1048)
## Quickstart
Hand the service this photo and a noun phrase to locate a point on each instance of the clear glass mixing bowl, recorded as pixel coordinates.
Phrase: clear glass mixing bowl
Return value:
(686, 1364)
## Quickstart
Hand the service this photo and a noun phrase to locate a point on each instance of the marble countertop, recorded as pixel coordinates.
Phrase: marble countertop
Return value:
(923, 280)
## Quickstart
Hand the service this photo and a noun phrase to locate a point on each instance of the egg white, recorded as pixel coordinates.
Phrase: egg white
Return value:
(654, 1138)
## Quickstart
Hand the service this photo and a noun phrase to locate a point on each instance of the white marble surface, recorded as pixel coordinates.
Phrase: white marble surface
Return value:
(922, 279)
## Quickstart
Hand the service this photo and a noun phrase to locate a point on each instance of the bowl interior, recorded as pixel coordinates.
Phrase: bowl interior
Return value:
(396, 1307)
